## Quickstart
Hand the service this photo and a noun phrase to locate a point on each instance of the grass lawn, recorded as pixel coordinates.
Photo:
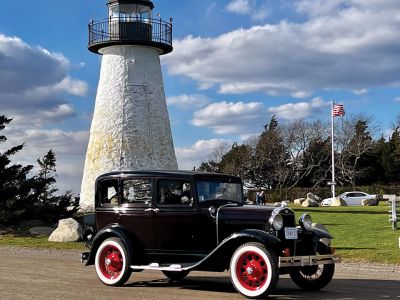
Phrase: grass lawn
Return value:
(38, 242)
(361, 233)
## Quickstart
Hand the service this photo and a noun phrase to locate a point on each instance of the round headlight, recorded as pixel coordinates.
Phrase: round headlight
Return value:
(305, 221)
(276, 221)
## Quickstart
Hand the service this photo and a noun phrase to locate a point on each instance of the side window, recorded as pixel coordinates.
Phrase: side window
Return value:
(109, 192)
(136, 191)
(174, 192)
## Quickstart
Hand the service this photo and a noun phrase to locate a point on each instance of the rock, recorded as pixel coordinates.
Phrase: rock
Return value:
(299, 201)
(31, 223)
(5, 230)
(41, 230)
(338, 202)
(370, 202)
(68, 230)
(314, 197)
(310, 203)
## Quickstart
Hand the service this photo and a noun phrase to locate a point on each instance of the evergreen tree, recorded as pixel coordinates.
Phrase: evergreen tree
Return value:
(47, 177)
(15, 186)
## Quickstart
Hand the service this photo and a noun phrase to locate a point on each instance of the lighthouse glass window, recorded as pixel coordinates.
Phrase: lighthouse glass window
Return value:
(130, 12)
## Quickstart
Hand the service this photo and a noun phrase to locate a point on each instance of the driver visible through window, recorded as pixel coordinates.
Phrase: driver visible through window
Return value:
(174, 192)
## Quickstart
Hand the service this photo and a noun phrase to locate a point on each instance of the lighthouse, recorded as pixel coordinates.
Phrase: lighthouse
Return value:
(130, 128)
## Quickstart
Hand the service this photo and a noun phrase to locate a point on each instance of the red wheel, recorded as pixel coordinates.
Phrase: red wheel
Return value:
(254, 270)
(111, 262)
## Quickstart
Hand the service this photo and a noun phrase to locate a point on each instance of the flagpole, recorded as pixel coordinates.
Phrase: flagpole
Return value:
(333, 183)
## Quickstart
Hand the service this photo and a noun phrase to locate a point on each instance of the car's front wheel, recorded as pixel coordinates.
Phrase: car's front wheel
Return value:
(314, 278)
(112, 262)
(254, 270)
(176, 275)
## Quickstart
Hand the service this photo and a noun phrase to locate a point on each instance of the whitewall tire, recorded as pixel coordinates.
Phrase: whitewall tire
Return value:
(112, 262)
(254, 270)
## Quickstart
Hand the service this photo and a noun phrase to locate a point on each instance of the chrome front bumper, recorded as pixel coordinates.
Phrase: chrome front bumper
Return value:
(305, 261)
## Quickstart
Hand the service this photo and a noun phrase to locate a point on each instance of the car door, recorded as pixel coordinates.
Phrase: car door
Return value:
(352, 199)
(175, 217)
(135, 212)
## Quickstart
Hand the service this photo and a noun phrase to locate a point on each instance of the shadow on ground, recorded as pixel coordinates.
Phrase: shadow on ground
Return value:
(337, 289)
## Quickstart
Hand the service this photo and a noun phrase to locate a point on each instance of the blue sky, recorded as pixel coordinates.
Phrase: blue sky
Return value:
(235, 64)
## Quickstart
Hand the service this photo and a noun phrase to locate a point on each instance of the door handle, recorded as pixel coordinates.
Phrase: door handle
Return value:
(152, 209)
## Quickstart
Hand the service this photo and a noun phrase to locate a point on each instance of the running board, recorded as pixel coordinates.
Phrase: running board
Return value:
(157, 267)
(305, 261)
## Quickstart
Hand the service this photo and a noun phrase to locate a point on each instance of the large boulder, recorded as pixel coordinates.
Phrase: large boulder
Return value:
(310, 203)
(338, 202)
(370, 202)
(41, 231)
(68, 230)
(314, 197)
(299, 201)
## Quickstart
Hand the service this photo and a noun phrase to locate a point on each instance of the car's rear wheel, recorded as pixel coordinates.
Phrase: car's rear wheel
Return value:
(314, 278)
(254, 270)
(176, 275)
(112, 262)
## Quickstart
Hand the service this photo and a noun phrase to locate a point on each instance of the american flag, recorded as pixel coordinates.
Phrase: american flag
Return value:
(338, 110)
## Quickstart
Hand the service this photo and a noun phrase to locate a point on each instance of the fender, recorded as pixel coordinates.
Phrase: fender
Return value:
(322, 233)
(230, 244)
(112, 230)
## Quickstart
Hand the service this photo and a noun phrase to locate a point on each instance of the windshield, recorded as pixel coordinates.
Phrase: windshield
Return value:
(219, 190)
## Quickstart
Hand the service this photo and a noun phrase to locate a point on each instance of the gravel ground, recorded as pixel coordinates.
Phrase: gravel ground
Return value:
(27, 273)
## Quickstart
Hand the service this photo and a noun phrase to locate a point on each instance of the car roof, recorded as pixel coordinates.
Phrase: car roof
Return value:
(165, 173)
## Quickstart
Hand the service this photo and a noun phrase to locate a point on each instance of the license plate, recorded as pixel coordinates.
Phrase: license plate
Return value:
(291, 233)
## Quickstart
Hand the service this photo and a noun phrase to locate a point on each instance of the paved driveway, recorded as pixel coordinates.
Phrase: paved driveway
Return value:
(48, 274)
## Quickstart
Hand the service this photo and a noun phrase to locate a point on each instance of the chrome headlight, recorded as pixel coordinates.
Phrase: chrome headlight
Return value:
(276, 221)
(305, 221)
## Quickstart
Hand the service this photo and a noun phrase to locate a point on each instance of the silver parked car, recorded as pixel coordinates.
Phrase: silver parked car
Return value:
(351, 198)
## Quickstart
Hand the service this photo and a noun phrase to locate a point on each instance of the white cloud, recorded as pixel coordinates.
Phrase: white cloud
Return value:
(300, 110)
(241, 7)
(232, 117)
(397, 99)
(34, 83)
(192, 156)
(72, 86)
(360, 92)
(69, 147)
(351, 46)
(247, 7)
(188, 102)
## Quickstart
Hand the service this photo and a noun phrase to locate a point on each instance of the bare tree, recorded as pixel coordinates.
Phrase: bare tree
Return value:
(219, 151)
(353, 141)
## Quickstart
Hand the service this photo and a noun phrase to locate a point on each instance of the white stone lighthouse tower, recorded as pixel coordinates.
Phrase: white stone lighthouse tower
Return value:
(130, 127)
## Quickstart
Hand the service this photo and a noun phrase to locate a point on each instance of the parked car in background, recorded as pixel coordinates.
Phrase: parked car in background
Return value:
(351, 198)
(177, 222)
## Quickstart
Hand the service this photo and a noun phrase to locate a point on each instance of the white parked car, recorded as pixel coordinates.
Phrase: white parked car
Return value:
(351, 198)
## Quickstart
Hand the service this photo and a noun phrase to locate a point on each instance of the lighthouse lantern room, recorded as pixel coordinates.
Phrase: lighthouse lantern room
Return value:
(130, 127)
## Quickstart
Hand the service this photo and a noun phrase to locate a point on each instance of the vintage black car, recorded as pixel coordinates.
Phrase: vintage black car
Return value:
(179, 221)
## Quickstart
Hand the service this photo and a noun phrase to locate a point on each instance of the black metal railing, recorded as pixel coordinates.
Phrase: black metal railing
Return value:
(130, 31)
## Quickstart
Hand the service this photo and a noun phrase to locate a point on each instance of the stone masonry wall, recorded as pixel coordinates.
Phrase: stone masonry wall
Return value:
(130, 128)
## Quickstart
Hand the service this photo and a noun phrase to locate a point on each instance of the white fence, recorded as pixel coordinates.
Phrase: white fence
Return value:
(394, 211)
